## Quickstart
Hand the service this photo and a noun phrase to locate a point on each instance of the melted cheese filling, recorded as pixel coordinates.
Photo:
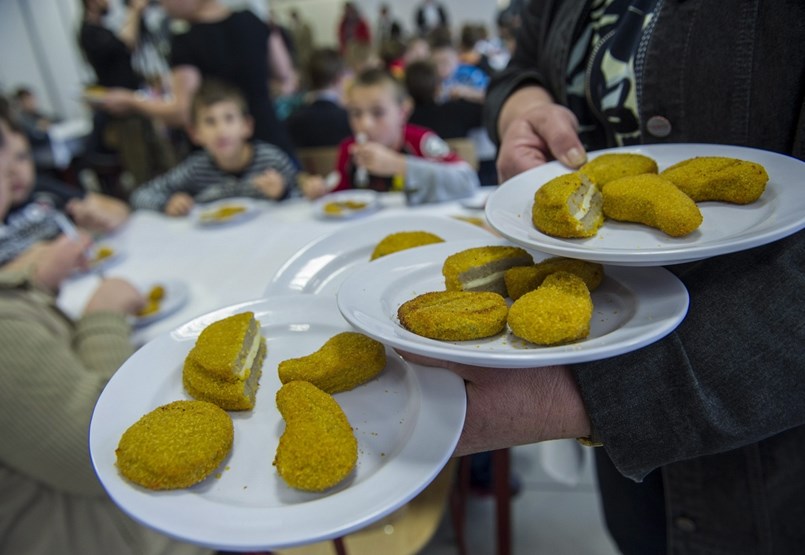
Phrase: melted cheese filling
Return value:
(584, 207)
(485, 280)
(248, 362)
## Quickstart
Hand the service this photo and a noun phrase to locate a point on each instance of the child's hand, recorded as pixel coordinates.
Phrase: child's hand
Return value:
(270, 183)
(312, 186)
(115, 295)
(97, 212)
(378, 159)
(179, 204)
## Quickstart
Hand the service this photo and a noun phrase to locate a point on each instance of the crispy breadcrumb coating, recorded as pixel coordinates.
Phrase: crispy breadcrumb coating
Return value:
(482, 268)
(404, 240)
(175, 445)
(608, 167)
(454, 315)
(522, 279)
(344, 362)
(719, 178)
(558, 311)
(318, 448)
(568, 206)
(651, 200)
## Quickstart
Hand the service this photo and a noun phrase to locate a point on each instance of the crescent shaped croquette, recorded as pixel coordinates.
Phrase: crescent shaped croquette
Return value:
(454, 315)
(403, 240)
(344, 362)
(651, 200)
(482, 268)
(558, 311)
(175, 445)
(719, 178)
(219, 347)
(568, 206)
(522, 279)
(608, 167)
(318, 448)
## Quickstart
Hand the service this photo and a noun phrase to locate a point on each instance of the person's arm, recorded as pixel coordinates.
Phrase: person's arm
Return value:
(97, 212)
(428, 181)
(129, 32)
(270, 166)
(154, 194)
(280, 64)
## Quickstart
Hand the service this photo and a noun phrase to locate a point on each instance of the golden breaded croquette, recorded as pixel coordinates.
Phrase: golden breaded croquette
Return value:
(522, 279)
(404, 240)
(454, 315)
(223, 346)
(719, 178)
(318, 448)
(175, 445)
(344, 362)
(651, 200)
(568, 206)
(482, 268)
(608, 167)
(558, 311)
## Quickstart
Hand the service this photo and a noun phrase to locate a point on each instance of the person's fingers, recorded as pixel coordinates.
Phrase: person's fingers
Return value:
(559, 129)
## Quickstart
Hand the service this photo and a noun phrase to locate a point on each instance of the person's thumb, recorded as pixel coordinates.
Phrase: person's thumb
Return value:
(561, 136)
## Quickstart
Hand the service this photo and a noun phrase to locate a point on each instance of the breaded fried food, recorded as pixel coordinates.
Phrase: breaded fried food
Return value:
(719, 178)
(175, 445)
(522, 279)
(482, 268)
(454, 315)
(558, 311)
(651, 200)
(225, 364)
(608, 167)
(344, 362)
(403, 240)
(318, 448)
(568, 206)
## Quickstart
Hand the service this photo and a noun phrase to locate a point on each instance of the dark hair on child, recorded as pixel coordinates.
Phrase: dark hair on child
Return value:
(213, 91)
(421, 81)
(379, 76)
(325, 67)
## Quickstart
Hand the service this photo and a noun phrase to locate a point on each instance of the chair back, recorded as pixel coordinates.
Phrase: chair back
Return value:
(466, 149)
(318, 160)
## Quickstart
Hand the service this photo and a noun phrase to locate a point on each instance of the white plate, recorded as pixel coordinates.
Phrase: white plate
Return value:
(478, 200)
(366, 196)
(204, 214)
(96, 265)
(320, 266)
(176, 296)
(726, 228)
(407, 422)
(633, 307)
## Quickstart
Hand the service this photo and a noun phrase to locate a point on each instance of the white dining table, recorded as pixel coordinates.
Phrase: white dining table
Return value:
(222, 265)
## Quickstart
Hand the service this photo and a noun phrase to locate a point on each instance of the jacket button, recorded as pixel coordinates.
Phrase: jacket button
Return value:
(685, 524)
(658, 126)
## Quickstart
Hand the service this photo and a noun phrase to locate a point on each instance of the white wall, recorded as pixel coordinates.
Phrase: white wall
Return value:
(38, 45)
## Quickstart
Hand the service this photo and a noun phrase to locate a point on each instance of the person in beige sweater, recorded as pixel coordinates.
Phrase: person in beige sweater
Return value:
(53, 369)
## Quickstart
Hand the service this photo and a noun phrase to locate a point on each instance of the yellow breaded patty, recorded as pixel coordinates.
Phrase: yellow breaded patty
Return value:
(175, 445)
(404, 240)
(558, 311)
(568, 206)
(344, 362)
(651, 200)
(608, 167)
(522, 279)
(719, 178)
(482, 268)
(454, 315)
(318, 448)
(229, 395)
(219, 345)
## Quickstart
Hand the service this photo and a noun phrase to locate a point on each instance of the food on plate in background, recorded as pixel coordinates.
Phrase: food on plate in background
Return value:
(522, 279)
(568, 206)
(454, 315)
(557, 312)
(153, 301)
(651, 200)
(344, 362)
(223, 213)
(176, 445)
(318, 448)
(403, 240)
(608, 167)
(225, 364)
(718, 178)
(482, 268)
(338, 207)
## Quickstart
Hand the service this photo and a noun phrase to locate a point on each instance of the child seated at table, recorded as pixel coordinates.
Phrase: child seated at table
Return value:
(387, 153)
(36, 202)
(230, 165)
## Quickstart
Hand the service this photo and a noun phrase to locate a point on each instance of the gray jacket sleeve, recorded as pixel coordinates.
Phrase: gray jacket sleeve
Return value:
(429, 181)
(730, 375)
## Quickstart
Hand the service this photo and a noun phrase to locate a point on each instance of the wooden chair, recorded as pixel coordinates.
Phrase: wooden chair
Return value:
(319, 160)
(466, 149)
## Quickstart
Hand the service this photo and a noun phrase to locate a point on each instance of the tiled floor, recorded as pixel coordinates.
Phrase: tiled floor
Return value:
(548, 517)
